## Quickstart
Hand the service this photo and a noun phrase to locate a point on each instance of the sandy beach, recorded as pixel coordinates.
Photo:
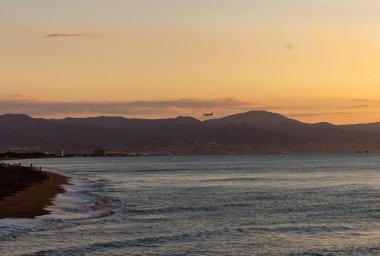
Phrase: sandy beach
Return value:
(26, 192)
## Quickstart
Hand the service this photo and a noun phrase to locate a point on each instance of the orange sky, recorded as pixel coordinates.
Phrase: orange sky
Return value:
(314, 60)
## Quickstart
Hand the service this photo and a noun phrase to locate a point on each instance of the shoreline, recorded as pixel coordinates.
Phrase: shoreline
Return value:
(243, 153)
(26, 192)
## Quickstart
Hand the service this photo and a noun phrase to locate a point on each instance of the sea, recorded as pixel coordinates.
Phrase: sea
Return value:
(318, 204)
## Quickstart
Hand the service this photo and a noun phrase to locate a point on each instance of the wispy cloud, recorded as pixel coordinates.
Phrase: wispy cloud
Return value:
(364, 100)
(318, 114)
(17, 96)
(358, 106)
(191, 103)
(60, 35)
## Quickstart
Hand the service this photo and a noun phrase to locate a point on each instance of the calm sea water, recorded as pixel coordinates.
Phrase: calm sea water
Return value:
(210, 205)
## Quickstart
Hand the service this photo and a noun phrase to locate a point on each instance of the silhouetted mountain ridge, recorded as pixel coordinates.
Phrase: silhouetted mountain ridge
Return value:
(250, 132)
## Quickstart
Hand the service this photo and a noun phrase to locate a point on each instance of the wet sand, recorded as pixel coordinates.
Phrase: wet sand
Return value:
(26, 192)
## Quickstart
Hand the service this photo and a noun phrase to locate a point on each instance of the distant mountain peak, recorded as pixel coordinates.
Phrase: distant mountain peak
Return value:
(187, 118)
(327, 124)
(257, 118)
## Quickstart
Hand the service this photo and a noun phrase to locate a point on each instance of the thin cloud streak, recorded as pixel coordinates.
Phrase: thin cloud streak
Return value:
(318, 114)
(358, 106)
(364, 100)
(58, 35)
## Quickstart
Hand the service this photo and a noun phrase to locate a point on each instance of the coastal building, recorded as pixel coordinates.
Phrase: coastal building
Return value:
(60, 153)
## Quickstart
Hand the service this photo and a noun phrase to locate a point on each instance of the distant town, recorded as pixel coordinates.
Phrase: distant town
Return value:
(61, 153)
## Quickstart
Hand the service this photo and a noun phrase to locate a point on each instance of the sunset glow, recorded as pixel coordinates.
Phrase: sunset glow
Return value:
(311, 60)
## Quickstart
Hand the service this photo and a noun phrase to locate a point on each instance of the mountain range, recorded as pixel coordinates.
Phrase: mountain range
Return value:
(244, 133)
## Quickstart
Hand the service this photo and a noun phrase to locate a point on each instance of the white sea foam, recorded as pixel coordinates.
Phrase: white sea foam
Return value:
(79, 201)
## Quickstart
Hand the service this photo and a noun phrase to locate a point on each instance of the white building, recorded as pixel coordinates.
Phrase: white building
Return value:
(60, 153)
